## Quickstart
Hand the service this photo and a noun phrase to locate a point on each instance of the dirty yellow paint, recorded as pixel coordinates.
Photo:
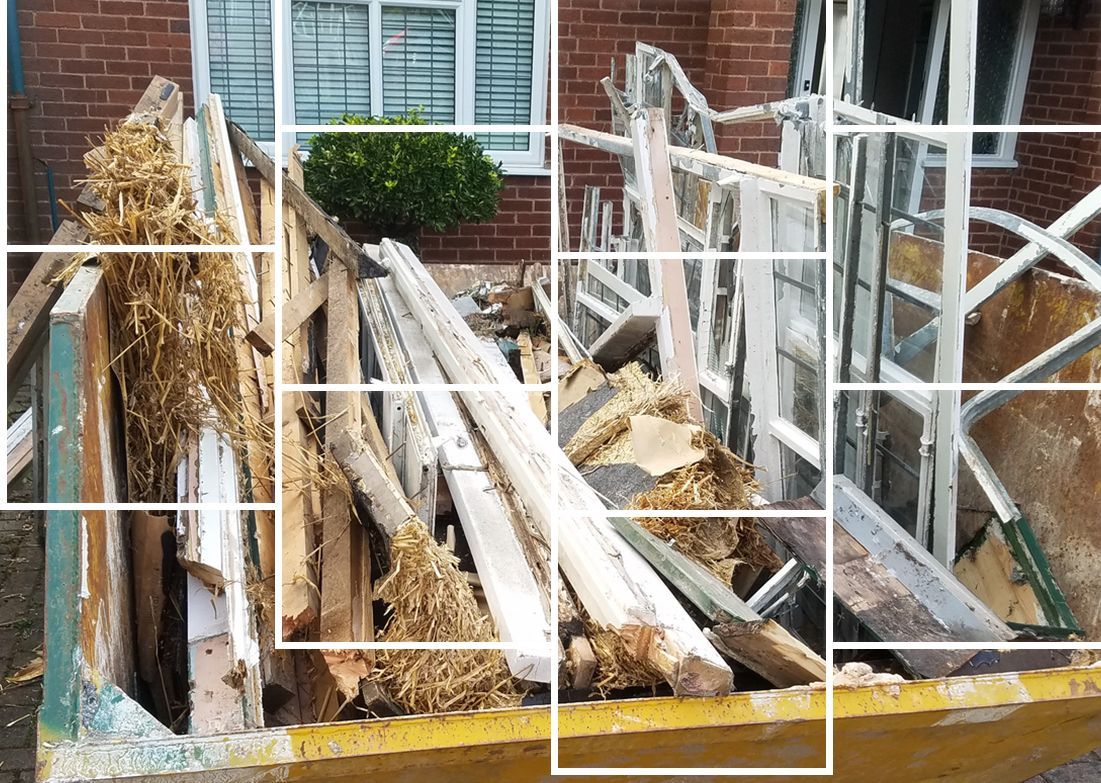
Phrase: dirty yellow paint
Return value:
(992, 729)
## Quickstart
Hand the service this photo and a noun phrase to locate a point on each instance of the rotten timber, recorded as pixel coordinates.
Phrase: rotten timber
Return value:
(616, 586)
(223, 647)
(762, 645)
(516, 600)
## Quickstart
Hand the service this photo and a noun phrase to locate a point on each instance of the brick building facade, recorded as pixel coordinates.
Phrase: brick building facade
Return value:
(1054, 170)
(736, 52)
(740, 52)
(87, 62)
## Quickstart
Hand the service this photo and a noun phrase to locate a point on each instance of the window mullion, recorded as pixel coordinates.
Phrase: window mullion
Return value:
(465, 54)
(374, 33)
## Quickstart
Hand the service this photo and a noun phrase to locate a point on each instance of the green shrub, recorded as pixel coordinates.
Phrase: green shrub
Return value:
(398, 183)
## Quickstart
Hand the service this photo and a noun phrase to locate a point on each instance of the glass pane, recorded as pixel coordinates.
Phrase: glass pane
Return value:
(915, 254)
(997, 39)
(418, 62)
(800, 476)
(715, 413)
(797, 343)
(505, 38)
(239, 46)
(793, 226)
(722, 318)
(330, 50)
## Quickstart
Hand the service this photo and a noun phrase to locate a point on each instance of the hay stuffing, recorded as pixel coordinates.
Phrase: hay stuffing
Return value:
(177, 318)
(721, 480)
(429, 600)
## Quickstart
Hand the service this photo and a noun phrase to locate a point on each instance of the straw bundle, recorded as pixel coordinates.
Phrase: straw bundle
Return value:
(177, 318)
(718, 481)
(431, 601)
(721, 480)
(636, 393)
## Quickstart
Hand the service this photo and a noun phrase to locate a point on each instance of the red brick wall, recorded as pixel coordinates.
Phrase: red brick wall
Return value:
(736, 52)
(1055, 170)
(748, 58)
(593, 33)
(87, 63)
(520, 232)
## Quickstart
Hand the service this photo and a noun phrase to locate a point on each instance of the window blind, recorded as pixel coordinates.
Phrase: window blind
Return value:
(240, 54)
(505, 37)
(330, 50)
(418, 61)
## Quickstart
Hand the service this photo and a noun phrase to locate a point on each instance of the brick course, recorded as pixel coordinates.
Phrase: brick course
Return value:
(1055, 170)
(736, 52)
(87, 63)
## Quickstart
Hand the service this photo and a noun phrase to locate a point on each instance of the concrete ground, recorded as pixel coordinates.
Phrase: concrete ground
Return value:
(22, 574)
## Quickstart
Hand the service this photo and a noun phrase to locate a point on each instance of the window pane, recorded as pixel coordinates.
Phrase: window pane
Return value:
(503, 66)
(239, 45)
(797, 343)
(418, 62)
(330, 43)
(997, 38)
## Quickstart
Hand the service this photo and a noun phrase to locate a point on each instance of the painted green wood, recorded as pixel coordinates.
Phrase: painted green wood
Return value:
(1030, 556)
(705, 590)
(60, 712)
(107, 712)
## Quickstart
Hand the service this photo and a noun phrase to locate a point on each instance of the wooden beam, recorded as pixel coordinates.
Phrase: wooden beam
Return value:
(627, 335)
(351, 254)
(531, 376)
(20, 444)
(616, 586)
(654, 178)
(373, 486)
(766, 648)
(582, 663)
(295, 313)
(29, 310)
(513, 592)
(769, 649)
(406, 444)
(301, 460)
(345, 562)
(213, 550)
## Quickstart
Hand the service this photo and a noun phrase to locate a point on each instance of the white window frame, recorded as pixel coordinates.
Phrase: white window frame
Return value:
(1006, 155)
(772, 431)
(531, 162)
(807, 53)
(200, 64)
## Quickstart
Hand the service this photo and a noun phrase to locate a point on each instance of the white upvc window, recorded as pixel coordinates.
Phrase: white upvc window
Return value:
(462, 62)
(231, 55)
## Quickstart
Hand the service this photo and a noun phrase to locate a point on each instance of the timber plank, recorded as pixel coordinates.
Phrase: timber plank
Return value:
(346, 249)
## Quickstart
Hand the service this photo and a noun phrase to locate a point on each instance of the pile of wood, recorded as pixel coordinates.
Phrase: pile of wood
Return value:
(156, 396)
(408, 515)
